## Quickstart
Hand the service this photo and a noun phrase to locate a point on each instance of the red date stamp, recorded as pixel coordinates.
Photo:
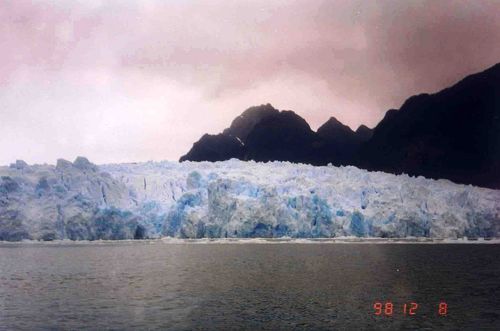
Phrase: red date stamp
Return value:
(407, 309)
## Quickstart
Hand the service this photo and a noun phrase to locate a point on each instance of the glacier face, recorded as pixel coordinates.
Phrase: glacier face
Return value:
(233, 198)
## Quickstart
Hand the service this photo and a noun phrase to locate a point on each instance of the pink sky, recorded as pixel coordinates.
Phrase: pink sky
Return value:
(121, 81)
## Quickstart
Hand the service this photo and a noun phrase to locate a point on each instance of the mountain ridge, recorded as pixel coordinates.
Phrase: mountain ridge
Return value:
(453, 134)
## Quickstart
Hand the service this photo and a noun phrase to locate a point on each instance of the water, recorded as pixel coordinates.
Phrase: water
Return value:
(157, 285)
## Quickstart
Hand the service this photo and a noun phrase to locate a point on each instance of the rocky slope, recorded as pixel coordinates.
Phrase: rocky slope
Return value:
(453, 134)
(263, 133)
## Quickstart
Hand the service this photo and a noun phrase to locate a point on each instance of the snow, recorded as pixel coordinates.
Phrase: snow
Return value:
(235, 199)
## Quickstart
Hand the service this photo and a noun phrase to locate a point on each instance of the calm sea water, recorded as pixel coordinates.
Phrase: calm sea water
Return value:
(154, 285)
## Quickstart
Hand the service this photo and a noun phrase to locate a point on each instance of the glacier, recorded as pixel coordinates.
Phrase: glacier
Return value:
(235, 199)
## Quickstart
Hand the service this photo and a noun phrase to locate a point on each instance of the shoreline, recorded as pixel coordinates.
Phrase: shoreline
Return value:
(225, 241)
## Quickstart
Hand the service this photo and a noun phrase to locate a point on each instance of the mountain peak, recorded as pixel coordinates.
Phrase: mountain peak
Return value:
(362, 127)
(243, 124)
(364, 133)
(333, 121)
(334, 128)
(452, 134)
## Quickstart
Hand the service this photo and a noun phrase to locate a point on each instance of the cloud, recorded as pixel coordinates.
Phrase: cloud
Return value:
(138, 80)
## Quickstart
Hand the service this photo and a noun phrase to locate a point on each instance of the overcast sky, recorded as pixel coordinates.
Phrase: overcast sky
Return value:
(142, 80)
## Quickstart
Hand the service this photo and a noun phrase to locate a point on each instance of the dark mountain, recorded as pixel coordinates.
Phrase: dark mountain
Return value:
(231, 142)
(364, 133)
(263, 133)
(283, 136)
(453, 134)
(213, 148)
(244, 124)
(340, 143)
(333, 130)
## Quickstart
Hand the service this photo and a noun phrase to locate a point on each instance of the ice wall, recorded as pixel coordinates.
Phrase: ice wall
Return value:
(235, 199)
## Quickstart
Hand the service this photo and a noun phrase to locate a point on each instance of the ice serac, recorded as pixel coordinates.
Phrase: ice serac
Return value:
(233, 198)
(70, 200)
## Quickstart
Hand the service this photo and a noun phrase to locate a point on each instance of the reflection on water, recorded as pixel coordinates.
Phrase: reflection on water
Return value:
(155, 285)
